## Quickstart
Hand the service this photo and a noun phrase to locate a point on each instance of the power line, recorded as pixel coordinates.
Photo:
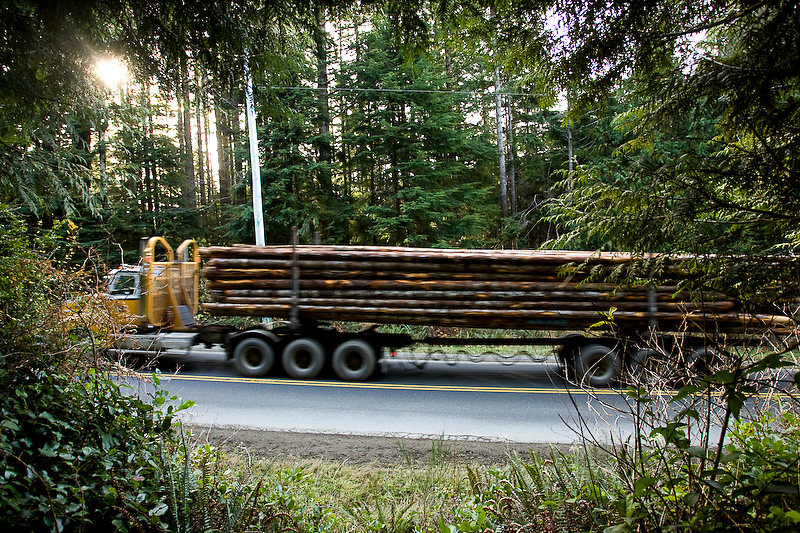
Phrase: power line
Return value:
(421, 91)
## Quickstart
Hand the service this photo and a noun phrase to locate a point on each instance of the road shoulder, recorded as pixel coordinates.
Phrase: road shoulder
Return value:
(363, 449)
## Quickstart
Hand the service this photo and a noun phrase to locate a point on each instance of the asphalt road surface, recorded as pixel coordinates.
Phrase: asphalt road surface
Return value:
(509, 401)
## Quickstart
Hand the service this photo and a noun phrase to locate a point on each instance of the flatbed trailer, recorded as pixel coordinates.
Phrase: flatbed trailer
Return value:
(306, 288)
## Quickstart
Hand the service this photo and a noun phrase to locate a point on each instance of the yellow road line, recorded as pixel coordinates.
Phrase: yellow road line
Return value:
(380, 386)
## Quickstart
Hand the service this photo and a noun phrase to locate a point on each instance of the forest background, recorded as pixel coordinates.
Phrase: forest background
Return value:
(601, 125)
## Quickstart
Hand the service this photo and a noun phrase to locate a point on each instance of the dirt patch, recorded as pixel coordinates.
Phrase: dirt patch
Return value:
(361, 449)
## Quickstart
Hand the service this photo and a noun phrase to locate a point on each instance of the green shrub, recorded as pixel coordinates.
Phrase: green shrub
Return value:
(757, 483)
(719, 454)
(25, 282)
(79, 454)
(51, 315)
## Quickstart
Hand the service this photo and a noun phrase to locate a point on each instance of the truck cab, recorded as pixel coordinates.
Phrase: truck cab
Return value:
(161, 291)
(124, 286)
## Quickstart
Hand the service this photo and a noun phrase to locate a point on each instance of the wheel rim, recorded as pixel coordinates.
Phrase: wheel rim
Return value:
(253, 358)
(597, 365)
(602, 367)
(302, 359)
(353, 360)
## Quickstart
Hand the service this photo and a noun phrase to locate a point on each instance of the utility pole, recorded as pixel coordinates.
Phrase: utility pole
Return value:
(255, 163)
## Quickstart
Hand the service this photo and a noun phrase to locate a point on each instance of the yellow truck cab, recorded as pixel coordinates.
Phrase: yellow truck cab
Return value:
(160, 295)
(161, 292)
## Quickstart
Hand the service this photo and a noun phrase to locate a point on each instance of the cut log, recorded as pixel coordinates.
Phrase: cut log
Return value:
(520, 289)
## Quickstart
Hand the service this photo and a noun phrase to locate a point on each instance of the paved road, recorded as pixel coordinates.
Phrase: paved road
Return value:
(521, 402)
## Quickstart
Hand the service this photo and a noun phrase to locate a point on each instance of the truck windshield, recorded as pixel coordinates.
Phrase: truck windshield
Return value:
(123, 284)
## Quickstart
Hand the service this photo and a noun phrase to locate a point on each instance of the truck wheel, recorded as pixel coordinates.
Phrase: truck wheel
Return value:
(647, 366)
(700, 362)
(303, 358)
(567, 352)
(253, 357)
(354, 360)
(597, 365)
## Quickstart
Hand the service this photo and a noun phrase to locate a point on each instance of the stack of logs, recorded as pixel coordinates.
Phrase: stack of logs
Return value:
(541, 290)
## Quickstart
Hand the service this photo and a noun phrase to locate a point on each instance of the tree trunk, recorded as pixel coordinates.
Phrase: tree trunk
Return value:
(237, 160)
(512, 160)
(147, 151)
(156, 190)
(223, 124)
(501, 150)
(395, 176)
(201, 172)
(324, 149)
(341, 105)
(102, 151)
(210, 189)
(189, 188)
(570, 181)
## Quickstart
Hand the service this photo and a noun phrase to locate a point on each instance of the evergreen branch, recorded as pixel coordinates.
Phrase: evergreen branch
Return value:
(715, 24)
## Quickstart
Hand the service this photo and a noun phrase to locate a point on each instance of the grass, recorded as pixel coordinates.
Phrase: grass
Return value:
(436, 493)
(325, 496)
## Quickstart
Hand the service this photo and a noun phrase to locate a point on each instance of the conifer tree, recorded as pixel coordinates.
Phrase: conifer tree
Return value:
(422, 176)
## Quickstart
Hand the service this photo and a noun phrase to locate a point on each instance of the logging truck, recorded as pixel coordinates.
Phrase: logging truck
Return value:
(600, 331)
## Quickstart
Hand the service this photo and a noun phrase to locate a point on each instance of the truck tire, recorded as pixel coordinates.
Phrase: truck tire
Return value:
(354, 360)
(303, 358)
(649, 367)
(700, 362)
(597, 365)
(567, 352)
(253, 357)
